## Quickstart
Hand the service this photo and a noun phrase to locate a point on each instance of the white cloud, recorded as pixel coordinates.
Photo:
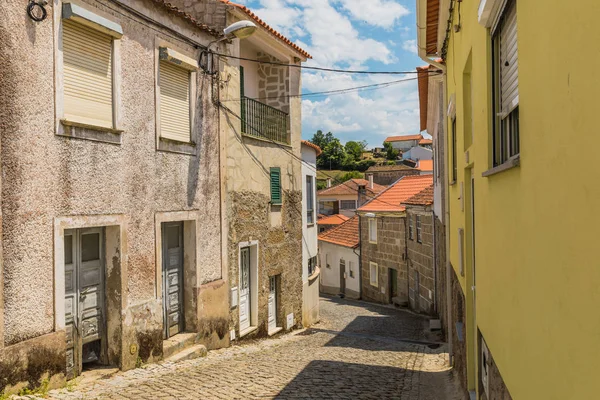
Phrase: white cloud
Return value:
(410, 45)
(382, 13)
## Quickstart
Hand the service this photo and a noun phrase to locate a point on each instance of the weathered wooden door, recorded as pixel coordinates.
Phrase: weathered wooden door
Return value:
(272, 303)
(85, 315)
(393, 284)
(172, 277)
(342, 276)
(244, 288)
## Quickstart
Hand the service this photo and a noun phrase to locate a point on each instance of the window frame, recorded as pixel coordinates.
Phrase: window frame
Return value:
(342, 208)
(274, 201)
(419, 229)
(410, 227)
(185, 59)
(373, 282)
(372, 222)
(505, 127)
(310, 200)
(312, 265)
(107, 24)
(454, 152)
(351, 269)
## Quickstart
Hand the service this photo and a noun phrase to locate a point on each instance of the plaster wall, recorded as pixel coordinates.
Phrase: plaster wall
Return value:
(330, 255)
(310, 232)
(46, 176)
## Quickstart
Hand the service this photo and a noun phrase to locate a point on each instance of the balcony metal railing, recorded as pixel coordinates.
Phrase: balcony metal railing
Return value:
(263, 121)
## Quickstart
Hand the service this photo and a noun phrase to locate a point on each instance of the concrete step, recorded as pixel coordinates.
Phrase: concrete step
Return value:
(179, 342)
(190, 353)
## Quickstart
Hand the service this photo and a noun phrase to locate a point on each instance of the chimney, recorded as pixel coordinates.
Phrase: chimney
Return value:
(370, 177)
(328, 182)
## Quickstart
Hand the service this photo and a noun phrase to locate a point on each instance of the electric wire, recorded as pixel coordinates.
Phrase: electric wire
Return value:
(284, 148)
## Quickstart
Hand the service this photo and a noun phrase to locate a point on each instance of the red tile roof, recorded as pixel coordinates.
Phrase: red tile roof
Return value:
(267, 27)
(345, 234)
(423, 83)
(403, 138)
(314, 146)
(335, 219)
(423, 198)
(425, 165)
(392, 198)
(351, 187)
(174, 10)
(426, 141)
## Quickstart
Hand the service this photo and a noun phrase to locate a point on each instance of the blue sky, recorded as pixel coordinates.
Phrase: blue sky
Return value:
(377, 35)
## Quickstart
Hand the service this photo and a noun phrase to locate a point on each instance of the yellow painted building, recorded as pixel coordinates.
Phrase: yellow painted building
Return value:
(521, 115)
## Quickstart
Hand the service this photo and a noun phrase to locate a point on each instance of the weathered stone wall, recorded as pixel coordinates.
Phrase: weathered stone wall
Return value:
(440, 265)
(496, 389)
(420, 261)
(459, 330)
(387, 253)
(280, 253)
(389, 177)
(46, 176)
(210, 12)
(273, 83)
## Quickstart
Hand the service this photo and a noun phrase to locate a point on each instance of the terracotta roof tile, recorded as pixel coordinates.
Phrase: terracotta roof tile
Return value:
(423, 198)
(423, 83)
(426, 141)
(174, 10)
(425, 165)
(403, 138)
(392, 198)
(335, 219)
(345, 234)
(314, 146)
(267, 27)
(351, 187)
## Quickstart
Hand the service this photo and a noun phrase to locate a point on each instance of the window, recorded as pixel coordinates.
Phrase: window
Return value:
(461, 254)
(327, 261)
(454, 154)
(484, 367)
(506, 86)
(310, 200)
(373, 274)
(87, 75)
(351, 269)
(275, 185)
(312, 265)
(410, 227)
(372, 230)
(419, 235)
(347, 204)
(174, 86)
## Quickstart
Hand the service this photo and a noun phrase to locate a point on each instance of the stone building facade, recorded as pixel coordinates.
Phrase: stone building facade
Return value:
(421, 271)
(94, 216)
(262, 182)
(388, 174)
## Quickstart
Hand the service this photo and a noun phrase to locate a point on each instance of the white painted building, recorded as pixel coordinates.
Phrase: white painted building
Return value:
(418, 153)
(339, 259)
(310, 231)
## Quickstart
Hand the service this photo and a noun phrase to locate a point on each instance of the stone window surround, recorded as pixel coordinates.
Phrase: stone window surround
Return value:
(372, 221)
(164, 144)
(371, 280)
(102, 22)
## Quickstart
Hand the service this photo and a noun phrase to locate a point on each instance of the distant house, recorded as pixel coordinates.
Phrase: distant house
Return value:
(338, 250)
(427, 143)
(404, 143)
(425, 167)
(331, 221)
(418, 153)
(386, 231)
(388, 174)
(347, 196)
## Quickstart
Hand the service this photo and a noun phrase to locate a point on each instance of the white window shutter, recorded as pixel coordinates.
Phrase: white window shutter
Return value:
(174, 84)
(509, 61)
(87, 59)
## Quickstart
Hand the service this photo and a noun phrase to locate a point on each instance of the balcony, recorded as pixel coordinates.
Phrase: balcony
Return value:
(264, 122)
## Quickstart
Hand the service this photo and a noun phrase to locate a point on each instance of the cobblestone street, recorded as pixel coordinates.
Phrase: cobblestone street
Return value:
(358, 350)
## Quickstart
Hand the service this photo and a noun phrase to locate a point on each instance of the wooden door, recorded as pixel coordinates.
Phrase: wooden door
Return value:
(244, 288)
(172, 278)
(272, 303)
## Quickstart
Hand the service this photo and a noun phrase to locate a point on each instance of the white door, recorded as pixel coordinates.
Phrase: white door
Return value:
(244, 288)
(272, 304)
(172, 278)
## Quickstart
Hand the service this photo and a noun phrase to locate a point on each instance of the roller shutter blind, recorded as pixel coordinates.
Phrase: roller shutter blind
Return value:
(509, 62)
(275, 185)
(87, 63)
(174, 84)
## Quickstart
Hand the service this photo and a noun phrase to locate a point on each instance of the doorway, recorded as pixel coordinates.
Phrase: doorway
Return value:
(85, 310)
(393, 284)
(272, 303)
(245, 298)
(172, 278)
(342, 277)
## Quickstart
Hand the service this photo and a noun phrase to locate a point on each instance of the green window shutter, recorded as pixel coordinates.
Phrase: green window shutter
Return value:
(275, 185)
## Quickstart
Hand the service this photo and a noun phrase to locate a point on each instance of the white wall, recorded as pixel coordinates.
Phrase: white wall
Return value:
(250, 70)
(404, 145)
(418, 153)
(330, 277)
(309, 233)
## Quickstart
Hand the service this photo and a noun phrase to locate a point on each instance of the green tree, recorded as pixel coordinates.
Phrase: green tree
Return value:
(355, 149)
(390, 152)
(334, 155)
(350, 175)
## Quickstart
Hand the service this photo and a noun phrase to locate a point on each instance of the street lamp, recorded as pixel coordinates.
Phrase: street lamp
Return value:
(239, 30)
